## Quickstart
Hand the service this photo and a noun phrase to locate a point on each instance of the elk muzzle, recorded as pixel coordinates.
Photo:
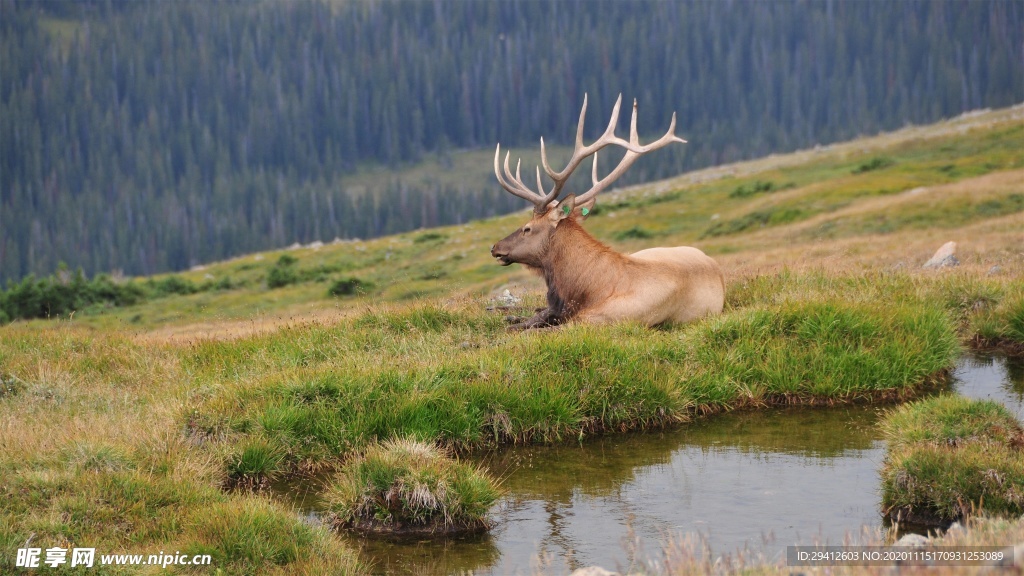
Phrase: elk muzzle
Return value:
(501, 254)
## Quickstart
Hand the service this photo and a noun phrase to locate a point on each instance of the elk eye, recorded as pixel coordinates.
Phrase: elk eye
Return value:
(526, 229)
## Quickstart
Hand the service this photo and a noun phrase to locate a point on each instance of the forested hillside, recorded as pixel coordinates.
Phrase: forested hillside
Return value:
(154, 136)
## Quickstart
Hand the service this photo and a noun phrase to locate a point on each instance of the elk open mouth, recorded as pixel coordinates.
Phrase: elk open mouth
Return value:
(503, 259)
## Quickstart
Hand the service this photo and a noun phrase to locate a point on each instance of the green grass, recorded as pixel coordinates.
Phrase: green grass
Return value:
(454, 376)
(951, 457)
(405, 486)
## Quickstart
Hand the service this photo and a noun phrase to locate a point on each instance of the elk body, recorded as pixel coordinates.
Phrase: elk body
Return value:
(587, 280)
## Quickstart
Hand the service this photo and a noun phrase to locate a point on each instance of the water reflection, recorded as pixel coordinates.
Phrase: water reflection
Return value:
(992, 378)
(739, 479)
(760, 480)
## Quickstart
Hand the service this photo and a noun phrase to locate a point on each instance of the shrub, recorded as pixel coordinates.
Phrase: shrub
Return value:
(63, 293)
(172, 285)
(429, 237)
(634, 233)
(755, 188)
(283, 273)
(876, 163)
(348, 287)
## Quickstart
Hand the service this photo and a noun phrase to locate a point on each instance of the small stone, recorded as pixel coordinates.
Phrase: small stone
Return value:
(912, 540)
(997, 269)
(944, 257)
(955, 529)
(593, 571)
(509, 299)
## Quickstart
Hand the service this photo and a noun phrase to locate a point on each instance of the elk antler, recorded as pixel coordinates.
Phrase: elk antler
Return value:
(514, 184)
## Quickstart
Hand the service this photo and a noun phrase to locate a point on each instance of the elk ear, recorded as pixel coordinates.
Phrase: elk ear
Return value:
(564, 208)
(582, 211)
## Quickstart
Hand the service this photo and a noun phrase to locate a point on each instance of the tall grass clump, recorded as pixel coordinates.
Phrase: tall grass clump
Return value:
(255, 464)
(951, 457)
(1002, 324)
(407, 486)
(254, 536)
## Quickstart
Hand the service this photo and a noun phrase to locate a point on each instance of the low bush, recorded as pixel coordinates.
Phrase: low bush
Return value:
(348, 287)
(64, 292)
(876, 163)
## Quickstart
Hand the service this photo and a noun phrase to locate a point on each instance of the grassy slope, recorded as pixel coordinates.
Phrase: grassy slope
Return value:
(954, 181)
(118, 428)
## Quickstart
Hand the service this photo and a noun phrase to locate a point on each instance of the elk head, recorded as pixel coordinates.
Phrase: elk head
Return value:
(529, 244)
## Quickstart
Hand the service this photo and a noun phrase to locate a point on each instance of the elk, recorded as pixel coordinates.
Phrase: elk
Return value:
(588, 281)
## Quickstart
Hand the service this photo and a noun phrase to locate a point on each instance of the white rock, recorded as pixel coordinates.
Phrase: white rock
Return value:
(593, 571)
(912, 540)
(508, 299)
(944, 257)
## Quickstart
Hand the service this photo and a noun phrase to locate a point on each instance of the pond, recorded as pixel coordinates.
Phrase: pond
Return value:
(756, 481)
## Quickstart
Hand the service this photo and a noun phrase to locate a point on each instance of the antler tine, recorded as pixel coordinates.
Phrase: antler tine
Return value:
(516, 186)
(633, 151)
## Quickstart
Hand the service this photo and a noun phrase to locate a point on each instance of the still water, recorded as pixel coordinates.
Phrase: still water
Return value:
(756, 481)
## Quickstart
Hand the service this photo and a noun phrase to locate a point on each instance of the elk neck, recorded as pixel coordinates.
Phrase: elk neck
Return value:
(579, 269)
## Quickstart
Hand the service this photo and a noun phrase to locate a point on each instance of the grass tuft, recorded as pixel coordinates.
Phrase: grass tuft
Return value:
(255, 464)
(951, 457)
(407, 486)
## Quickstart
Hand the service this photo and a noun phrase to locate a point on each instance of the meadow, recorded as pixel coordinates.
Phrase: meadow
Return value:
(152, 426)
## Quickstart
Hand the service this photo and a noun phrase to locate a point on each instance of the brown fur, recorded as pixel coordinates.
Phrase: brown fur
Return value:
(589, 281)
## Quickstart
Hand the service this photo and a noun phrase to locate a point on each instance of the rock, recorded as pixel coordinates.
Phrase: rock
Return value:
(944, 257)
(995, 270)
(508, 299)
(955, 529)
(593, 571)
(912, 540)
